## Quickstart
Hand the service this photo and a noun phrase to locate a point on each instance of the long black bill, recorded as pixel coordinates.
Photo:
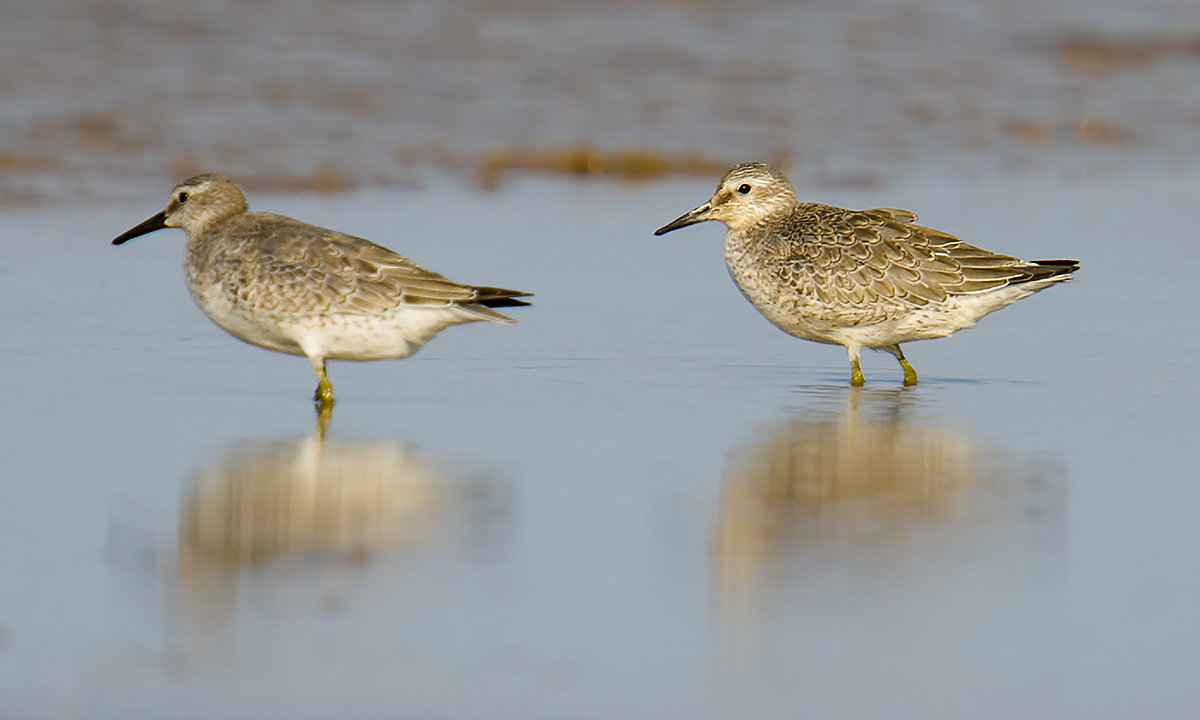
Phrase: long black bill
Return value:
(695, 216)
(158, 222)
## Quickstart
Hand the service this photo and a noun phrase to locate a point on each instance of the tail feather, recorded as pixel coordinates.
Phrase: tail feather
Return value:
(1046, 269)
(499, 297)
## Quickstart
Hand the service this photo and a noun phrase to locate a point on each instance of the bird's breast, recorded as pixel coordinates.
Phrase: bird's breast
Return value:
(778, 295)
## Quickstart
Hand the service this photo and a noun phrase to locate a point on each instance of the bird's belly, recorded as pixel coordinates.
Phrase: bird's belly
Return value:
(867, 324)
(936, 320)
(360, 337)
(394, 335)
(795, 319)
(334, 335)
(909, 324)
(264, 329)
(782, 306)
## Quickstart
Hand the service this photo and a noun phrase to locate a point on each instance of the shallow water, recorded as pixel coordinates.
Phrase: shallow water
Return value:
(641, 502)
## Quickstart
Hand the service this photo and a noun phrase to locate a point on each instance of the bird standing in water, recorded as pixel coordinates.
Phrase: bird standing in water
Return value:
(299, 289)
(857, 278)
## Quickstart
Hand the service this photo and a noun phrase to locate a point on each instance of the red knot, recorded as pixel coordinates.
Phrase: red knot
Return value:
(858, 278)
(299, 289)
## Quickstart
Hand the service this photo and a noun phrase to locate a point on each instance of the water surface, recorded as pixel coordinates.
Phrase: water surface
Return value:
(641, 502)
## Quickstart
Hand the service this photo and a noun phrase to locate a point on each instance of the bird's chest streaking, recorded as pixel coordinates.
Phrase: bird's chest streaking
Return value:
(292, 312)
(285, 285)
(794, 283)
(858, 278)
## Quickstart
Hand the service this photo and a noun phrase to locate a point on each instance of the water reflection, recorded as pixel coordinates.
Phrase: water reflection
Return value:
(867, 490)
(313, 526)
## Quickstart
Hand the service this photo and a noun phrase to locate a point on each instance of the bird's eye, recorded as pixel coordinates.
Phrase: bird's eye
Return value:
(183, 196)
(744, 189)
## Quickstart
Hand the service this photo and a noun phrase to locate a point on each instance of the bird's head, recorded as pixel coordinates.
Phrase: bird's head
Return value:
(195, 204)
(747, 195)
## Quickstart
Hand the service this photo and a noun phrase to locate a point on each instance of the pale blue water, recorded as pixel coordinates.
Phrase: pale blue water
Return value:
(641, 502)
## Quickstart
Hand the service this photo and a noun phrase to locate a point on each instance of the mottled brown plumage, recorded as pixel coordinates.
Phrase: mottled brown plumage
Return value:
(277, 263)
(296, 288)
(858, 278)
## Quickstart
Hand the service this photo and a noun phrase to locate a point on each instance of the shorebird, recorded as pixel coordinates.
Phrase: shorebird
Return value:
(299, 289)
(857, 278)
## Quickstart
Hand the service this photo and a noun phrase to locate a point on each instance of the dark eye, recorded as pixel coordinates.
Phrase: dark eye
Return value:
(744, 189)
(183, 196)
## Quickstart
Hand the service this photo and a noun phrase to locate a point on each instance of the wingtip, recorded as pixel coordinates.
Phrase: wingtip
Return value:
(1059, 267)
(500, 297)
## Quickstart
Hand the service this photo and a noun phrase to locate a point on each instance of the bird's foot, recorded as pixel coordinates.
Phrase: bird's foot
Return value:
(324, 394)
(324, 415)
(910, 375)
(856, 376)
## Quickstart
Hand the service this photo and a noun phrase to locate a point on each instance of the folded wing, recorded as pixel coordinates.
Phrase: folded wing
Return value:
(880, 257)
(313, 269)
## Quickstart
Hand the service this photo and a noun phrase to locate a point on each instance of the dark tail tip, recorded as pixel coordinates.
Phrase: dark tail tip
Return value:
(1058, 267)
(499, 297)
(503, 302)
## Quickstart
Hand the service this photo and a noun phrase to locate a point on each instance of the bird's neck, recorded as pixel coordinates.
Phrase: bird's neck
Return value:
(201, 228)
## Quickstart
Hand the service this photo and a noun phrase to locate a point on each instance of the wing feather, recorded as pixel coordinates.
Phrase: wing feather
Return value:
(284, 264)
(872, 262)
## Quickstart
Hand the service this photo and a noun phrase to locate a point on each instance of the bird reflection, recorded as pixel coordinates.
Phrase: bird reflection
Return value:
(871, 487)
(271, 498)
(305, 520)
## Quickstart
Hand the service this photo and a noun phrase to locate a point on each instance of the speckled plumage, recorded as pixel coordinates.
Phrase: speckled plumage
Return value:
(296, 288)
(858, 278)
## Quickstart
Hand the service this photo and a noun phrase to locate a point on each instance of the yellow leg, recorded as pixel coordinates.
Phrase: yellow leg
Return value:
(324, 394)
(856, 376)
(324, 415)
(910, 375)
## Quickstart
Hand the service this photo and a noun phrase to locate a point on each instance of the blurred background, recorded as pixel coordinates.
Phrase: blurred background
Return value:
(642, 501)
(100, 96)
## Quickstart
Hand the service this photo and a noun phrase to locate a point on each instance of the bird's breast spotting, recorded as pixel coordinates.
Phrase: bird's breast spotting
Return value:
(781, 299)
